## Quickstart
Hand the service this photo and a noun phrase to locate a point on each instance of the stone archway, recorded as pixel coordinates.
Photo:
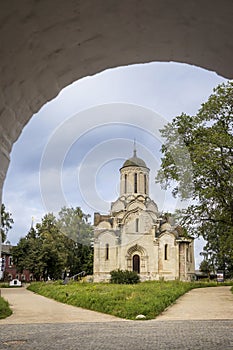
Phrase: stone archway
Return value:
(137, 259)
(48, 44)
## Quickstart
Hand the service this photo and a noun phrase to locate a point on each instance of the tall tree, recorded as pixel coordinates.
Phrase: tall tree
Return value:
(49, 249)
(73, 223)
(42, 251)
(198, 163)
(6, 222)
(53, 254)
(27, 255)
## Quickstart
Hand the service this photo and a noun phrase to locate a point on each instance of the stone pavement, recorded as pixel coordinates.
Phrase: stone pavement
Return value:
(138, 335)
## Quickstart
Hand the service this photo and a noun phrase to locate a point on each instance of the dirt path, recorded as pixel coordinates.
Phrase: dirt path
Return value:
(28, 307)
(213, 303)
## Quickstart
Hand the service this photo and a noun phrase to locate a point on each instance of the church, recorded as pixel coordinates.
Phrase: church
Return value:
(135, 237)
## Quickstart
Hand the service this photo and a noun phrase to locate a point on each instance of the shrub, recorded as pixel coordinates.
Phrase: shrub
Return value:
(124, 277)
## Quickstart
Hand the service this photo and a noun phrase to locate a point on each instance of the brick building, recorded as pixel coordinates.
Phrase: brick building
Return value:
(9, 269)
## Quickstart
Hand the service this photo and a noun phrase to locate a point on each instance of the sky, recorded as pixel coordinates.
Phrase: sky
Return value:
(70, 152)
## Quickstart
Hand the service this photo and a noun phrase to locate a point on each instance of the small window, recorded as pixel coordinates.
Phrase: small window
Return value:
(145, 183)
(137, 225)
(187, 254)
(135, 183)
(165, 252)
(125, 183)
(107, 252)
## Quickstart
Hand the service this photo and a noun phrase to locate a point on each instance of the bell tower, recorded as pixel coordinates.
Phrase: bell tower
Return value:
(134, 177)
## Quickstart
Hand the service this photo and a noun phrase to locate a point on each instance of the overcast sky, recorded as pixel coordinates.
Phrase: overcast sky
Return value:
(70, 153)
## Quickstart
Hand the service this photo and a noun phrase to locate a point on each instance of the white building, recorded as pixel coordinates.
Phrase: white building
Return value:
(134, 236)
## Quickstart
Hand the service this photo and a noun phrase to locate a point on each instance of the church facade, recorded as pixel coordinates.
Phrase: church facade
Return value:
(134, 237)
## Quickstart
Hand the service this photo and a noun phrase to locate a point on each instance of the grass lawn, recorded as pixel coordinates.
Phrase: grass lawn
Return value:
(5, 310)
(125, 301)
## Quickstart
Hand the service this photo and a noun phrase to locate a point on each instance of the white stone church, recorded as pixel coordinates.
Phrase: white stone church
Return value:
(134, 236)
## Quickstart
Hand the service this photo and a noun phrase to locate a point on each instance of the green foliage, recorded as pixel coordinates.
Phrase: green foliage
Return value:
(5, 310)
(205, 267)
(121, 300)
(124, 277)
(73, 223)
(6, 222)
(198, 162)
(5, 285)
(47, 252)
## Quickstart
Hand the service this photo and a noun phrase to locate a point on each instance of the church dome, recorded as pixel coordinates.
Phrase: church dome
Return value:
(134, 161)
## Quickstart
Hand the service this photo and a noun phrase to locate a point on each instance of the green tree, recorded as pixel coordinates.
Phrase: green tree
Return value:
(6, 222)
(198, 163)
(27, 254)
(73, 223)
(42, 251)
(47, 251)
(53, 254)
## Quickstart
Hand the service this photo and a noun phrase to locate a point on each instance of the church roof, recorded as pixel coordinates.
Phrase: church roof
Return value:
(134, 161)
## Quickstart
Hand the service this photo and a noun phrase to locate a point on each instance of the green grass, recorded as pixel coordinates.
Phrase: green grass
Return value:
(5, 310)
(4, 285)
(125, 301)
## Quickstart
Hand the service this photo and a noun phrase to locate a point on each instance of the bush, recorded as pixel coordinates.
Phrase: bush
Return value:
(124, 277)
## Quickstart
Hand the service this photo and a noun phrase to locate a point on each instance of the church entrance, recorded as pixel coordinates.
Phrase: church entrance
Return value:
(136, 263)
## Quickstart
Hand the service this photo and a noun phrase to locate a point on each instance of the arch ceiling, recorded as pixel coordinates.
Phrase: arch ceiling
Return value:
(48, 44)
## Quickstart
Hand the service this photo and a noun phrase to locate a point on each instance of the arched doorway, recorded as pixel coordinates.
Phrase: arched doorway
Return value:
(136, 263)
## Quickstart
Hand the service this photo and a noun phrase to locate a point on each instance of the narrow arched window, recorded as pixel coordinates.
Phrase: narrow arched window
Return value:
(107, 252)
(145, 191)
(135, 183)
(125, 183)
(165, 252)
(136, 263)
(187, 254)
(137, 225)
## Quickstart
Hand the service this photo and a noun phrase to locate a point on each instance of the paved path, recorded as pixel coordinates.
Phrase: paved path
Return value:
(212, 303)
(138, 335)
(29, 307)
